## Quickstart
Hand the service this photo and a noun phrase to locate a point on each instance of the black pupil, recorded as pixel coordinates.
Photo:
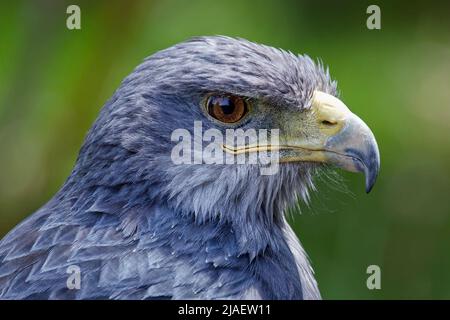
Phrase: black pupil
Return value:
(226, 104)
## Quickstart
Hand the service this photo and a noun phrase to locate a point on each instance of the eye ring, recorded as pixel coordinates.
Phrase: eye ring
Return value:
(226, 108)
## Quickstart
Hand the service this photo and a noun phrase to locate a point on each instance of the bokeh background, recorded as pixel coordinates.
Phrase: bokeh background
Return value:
(53, 81)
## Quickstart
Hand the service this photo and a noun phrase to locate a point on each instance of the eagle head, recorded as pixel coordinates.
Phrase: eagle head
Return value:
(163, 134)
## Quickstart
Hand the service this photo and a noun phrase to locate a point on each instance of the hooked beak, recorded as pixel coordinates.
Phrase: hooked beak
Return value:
(332, 134)
(343, 139)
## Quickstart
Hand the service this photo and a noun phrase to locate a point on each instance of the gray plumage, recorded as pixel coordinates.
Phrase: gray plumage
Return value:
(141, 227)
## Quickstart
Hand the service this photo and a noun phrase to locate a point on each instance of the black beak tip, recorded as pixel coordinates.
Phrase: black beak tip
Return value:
(368, 163)
(369, 187)
(371, 174)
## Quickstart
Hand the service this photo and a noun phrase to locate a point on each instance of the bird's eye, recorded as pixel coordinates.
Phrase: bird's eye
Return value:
(227, 109)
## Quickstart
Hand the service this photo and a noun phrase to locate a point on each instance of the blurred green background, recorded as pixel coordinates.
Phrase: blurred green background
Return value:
(53, 81)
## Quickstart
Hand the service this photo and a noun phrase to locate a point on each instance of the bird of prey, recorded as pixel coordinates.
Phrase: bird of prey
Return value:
(130, 223)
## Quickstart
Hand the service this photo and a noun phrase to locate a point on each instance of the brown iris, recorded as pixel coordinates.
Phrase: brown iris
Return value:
(227, 109)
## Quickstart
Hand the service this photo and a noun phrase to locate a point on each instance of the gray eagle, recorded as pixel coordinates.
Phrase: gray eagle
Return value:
(132, 222)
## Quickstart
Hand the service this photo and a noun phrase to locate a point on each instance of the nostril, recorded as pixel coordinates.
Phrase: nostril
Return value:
(328, 123)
